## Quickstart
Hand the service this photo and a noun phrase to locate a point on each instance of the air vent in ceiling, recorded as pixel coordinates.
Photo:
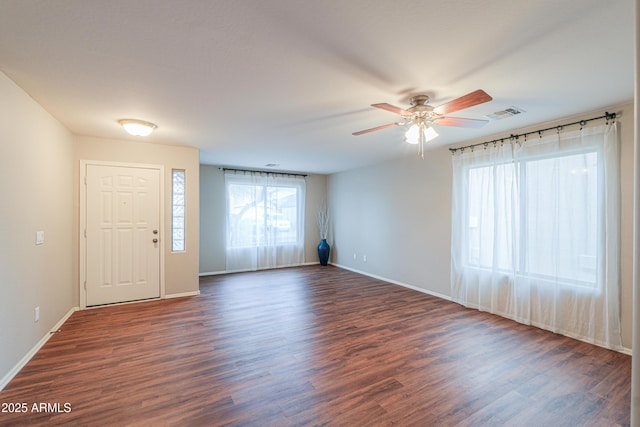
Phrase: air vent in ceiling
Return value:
(507, 112)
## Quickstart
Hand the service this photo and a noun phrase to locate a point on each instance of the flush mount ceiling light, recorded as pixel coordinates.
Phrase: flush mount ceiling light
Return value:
(137, 127)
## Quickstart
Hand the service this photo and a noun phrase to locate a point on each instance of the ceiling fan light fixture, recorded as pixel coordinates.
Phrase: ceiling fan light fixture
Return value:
(412, 136)
(137, 127)
(429, 133)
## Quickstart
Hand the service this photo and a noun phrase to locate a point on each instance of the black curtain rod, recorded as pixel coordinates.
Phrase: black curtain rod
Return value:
(269, 172)
(513, 137)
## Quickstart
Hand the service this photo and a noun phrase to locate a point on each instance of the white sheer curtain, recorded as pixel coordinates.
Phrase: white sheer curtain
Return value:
(535, 232)
(265, 220)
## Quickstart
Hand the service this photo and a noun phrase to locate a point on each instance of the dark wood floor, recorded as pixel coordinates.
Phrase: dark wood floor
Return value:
(315, 346)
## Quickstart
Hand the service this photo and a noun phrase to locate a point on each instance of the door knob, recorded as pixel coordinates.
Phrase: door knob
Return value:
(155, 240)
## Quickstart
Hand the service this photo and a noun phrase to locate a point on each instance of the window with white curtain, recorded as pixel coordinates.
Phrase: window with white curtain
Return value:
(535, 232)
(554, 207)
(265, 220)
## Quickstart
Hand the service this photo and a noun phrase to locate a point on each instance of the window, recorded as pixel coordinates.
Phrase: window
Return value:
(547, 210)
(262, 215)
(561, 200)
(178, 211)
(484, 200)
(265, 220)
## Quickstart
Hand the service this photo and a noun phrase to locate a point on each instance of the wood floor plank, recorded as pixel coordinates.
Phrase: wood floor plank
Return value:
(314, 346)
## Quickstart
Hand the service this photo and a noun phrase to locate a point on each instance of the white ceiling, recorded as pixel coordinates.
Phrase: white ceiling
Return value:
(253, 82)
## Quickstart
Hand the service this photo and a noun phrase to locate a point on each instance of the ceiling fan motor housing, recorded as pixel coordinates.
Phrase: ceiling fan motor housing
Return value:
(419, 100)
(419, 105)
(420, 110)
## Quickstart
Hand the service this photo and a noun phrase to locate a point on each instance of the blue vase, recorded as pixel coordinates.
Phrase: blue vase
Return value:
(323, 252)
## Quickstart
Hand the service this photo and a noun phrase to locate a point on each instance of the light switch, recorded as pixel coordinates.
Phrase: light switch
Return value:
(39, 237)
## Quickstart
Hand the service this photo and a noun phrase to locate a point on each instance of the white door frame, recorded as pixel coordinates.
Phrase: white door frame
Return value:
(83, 222)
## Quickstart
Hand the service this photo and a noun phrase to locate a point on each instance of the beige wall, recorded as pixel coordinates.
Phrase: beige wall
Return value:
(36, 193)
(316, 195)
(212, 218)
(181, 269)
(398, 215)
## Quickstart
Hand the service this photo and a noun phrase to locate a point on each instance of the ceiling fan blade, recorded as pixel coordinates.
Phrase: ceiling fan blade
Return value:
(469, 100)
(393, 109)
(460, 122)
(377, 128)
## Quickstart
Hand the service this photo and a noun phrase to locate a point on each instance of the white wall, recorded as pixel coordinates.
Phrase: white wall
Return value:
(36, 193)
(181, 268)
(398, 215)
(212, 218)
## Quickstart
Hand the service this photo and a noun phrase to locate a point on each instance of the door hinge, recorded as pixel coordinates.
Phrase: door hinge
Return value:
(85, 180)
(85, 285)
(85, 233)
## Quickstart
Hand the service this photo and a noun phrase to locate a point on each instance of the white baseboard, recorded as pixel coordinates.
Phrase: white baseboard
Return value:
(27, 357)
(212, 273)
(183, 294)
(217, 273)
(395, 282)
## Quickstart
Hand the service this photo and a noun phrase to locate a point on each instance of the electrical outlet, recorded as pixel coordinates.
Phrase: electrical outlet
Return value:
(36, 314)
(39, 237)
(355, 256)
(364, 258)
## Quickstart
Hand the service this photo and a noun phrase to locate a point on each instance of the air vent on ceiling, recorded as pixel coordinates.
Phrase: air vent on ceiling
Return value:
(507, 112)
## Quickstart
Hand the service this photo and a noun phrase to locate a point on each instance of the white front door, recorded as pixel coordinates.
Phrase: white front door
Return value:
(122, 234)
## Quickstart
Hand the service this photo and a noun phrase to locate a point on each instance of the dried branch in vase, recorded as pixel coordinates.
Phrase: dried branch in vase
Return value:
(323, 221)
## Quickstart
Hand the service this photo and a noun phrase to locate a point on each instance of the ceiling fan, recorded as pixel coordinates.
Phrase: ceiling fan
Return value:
(421, 116)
